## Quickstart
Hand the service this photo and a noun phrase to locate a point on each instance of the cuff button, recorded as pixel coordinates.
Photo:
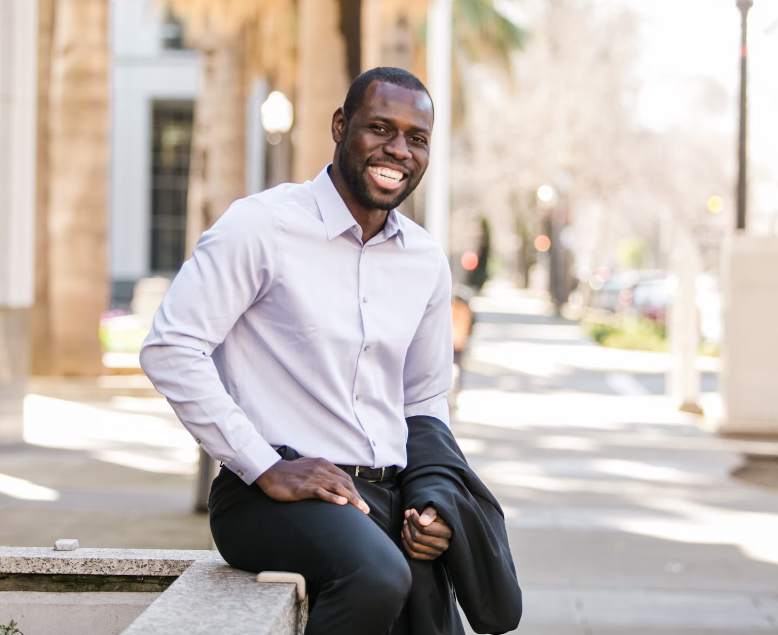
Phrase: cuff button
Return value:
(239, 472)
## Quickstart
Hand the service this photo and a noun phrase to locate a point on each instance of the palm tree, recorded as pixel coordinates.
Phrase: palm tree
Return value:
(72, 261)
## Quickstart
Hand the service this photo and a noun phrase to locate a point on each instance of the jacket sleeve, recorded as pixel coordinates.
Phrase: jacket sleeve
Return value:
(478, 561)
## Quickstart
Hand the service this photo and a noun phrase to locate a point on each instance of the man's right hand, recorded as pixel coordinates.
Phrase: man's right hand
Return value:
(303, 478)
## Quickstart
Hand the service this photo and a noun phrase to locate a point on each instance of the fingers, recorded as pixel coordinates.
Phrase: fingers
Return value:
(349, 494)
(289, 481)
(340, 483)
(425, 536)
(423, 543)
(417, 547)
(414, 554)
(428, 516)
(438, 528)
(325, 495)
(424, 547)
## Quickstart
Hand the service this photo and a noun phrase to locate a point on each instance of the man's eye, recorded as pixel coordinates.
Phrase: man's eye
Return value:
(379, 128)
(420, 140)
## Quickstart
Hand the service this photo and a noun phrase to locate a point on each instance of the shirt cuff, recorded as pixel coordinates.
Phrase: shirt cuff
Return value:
(436, 406)
(253, 460)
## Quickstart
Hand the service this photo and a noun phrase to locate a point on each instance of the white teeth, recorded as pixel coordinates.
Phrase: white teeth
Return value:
(387, 173)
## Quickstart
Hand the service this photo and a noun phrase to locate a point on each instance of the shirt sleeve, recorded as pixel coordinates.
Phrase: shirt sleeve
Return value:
(231, 268)
(429, 363)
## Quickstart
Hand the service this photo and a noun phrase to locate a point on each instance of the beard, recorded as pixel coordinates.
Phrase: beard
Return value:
(355, 176)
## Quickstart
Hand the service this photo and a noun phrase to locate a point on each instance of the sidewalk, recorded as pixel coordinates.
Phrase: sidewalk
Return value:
(106, 462)
(621, 512)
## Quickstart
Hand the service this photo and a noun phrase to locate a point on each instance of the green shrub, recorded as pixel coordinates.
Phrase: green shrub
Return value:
(599, 331)
(637, 334)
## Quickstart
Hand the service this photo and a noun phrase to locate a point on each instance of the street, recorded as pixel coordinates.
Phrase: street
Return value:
(622, 513)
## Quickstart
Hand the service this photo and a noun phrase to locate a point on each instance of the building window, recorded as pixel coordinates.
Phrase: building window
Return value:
(170, 148)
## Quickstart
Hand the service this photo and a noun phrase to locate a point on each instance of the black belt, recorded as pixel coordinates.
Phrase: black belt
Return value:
(372, 474)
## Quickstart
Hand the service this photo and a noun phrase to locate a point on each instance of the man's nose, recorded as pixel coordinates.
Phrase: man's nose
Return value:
(398, 148)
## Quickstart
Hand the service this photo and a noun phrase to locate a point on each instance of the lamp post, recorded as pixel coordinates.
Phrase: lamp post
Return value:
(277, 115)
(744, 6)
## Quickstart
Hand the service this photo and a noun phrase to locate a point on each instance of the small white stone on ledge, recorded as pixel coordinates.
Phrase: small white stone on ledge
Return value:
(284, 577)
(66, 544)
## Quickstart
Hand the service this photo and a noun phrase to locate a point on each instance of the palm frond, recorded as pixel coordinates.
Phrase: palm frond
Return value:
(482, 32)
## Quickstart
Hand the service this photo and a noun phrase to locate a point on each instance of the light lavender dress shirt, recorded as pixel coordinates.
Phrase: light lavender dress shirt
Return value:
(283, 328)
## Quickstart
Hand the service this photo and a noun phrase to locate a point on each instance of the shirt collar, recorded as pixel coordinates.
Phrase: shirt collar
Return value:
(336, 216)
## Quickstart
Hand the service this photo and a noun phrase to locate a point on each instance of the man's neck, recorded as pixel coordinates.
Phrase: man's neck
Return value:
(371, 221)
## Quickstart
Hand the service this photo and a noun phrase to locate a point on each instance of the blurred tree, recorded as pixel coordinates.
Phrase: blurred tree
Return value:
(71, 225)
(480, 35)
(632, 252)
(569, 113)
(572, 109)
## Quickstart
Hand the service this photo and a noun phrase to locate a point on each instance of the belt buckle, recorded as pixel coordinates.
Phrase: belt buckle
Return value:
(381, 478)
(356, 470)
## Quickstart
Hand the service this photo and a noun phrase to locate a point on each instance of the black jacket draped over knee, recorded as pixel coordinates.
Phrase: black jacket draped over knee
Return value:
(477, 566)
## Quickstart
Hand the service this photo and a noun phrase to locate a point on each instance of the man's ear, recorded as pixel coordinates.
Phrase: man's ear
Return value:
(338, 125)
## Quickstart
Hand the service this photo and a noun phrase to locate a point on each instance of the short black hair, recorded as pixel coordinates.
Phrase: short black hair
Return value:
(390, 75)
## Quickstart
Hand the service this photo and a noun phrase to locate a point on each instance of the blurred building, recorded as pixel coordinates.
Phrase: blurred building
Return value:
(154, 82)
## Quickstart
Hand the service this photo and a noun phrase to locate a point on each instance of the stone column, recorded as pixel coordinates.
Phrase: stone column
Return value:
(749, 352)
(684, 325)
(18, 71)
(322, 83)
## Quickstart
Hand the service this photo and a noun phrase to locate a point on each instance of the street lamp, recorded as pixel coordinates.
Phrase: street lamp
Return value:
(744, 6)
(277, 116)
(545, 193)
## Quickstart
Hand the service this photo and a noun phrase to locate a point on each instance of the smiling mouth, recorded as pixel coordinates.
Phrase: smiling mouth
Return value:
(386, 178)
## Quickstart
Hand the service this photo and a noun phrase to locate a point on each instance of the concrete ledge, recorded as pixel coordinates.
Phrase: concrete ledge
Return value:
(101, 561)
(208, 596)
(215, 598)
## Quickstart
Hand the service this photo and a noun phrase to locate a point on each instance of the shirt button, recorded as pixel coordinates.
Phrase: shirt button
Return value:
(239, 472)
(358, 397)
(364, 299)
(198, 441)
(374, 444)
(366, 349)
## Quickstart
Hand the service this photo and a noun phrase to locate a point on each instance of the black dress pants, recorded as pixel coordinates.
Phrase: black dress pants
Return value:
(356, 573)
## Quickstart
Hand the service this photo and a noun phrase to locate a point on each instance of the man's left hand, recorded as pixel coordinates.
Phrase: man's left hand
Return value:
(425, 536)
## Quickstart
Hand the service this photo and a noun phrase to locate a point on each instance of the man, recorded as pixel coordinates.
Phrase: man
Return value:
(309, 323)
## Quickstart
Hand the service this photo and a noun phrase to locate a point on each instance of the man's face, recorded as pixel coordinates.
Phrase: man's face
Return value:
(383, 150)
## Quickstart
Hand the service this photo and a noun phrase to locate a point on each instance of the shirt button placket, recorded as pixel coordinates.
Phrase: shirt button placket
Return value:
(357, 396)
(365, 330)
